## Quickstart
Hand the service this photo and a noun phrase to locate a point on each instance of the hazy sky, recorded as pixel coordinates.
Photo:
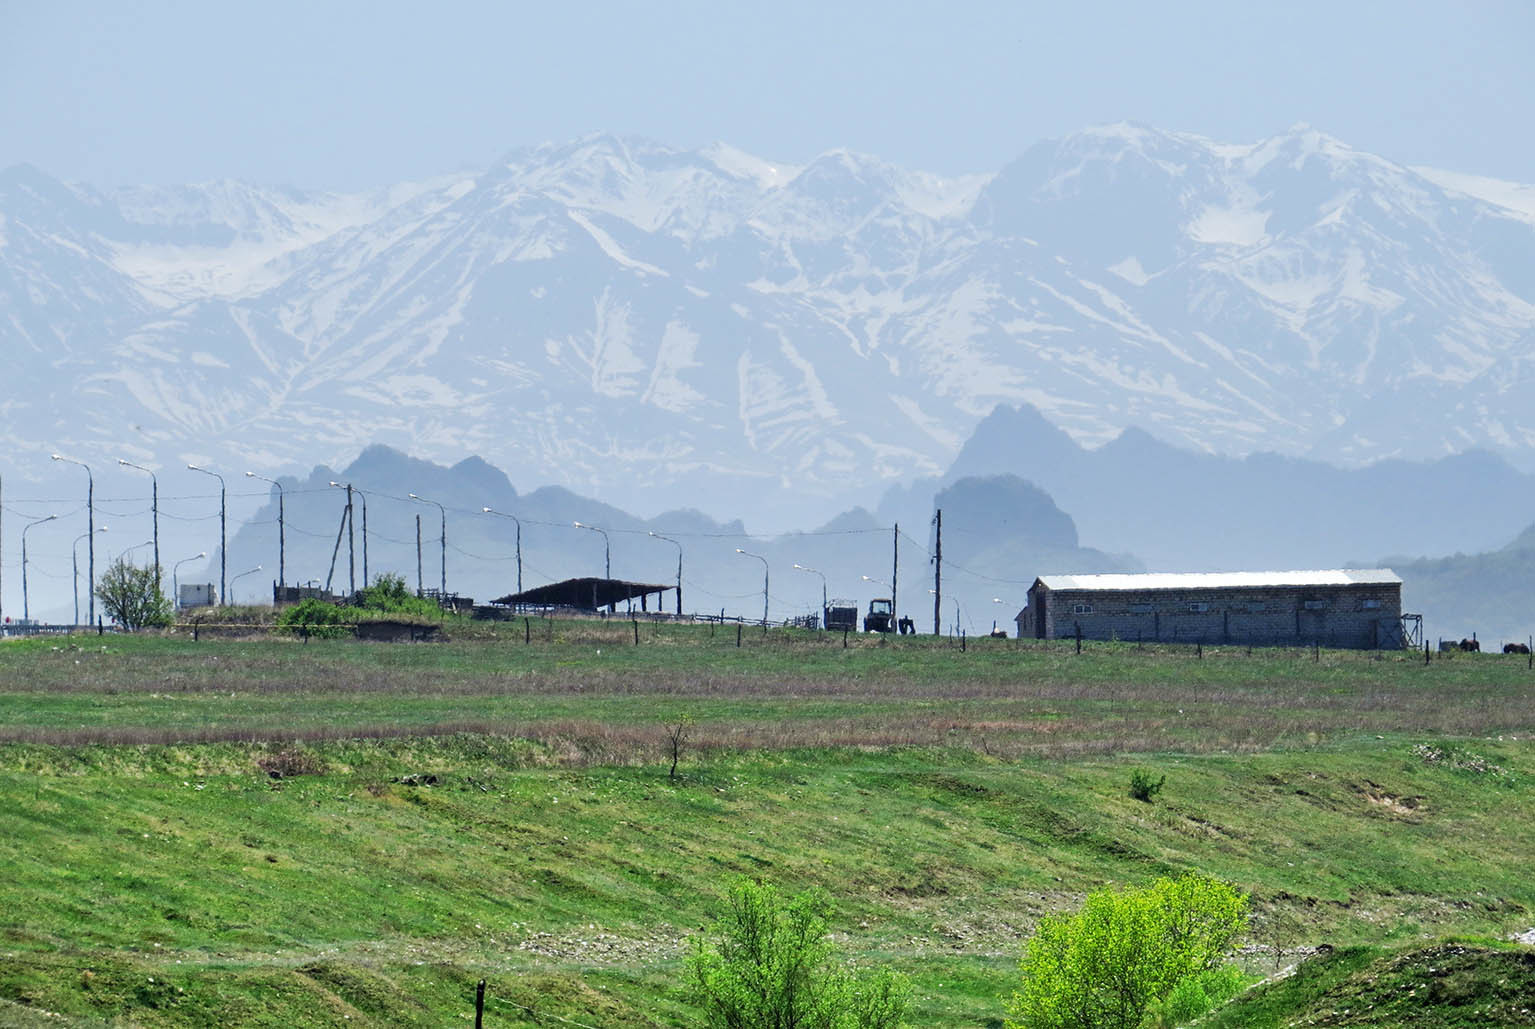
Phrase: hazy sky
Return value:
(338, 95)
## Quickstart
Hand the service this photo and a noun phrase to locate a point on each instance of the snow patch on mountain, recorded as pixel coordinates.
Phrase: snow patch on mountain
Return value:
(1512, 197)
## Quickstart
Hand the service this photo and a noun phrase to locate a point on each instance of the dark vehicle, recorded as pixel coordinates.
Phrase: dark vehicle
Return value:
(842, 614)
(879, 617)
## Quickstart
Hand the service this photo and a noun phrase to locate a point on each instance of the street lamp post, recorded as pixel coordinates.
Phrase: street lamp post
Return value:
(154, 508)
(90, 528)
(443, 589)
(674, 543)
(764, 561)
(74, 566)
(282, 542)
(804, 568)
(607, 550)
(503, 514)
(175, 585)
(237, 578)
(223, 526)
(26, 613)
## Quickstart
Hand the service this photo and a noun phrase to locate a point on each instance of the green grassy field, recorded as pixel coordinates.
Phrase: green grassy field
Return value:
(154, 872)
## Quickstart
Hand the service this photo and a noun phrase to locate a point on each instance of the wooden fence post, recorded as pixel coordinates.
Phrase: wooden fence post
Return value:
(738, 635)
(479, 1005)
(844, 639)
(636, 632)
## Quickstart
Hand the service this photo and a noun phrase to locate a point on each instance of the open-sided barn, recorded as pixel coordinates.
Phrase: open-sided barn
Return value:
(1356, 607)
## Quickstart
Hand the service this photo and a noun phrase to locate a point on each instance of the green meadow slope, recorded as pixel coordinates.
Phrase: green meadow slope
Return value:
(267, 833)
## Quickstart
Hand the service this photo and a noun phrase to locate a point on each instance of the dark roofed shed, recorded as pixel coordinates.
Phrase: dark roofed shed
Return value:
(586, 594)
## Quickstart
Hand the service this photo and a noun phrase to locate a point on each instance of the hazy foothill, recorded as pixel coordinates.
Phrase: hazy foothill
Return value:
(447, 553)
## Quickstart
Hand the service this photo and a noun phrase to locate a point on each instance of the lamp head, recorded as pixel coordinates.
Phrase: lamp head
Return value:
(57, 457)
(411, 495)
(487, 510)
(190, 467)
(578, 525)
(739, 550)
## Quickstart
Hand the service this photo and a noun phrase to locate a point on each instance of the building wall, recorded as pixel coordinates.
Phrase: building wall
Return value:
(1334, 616)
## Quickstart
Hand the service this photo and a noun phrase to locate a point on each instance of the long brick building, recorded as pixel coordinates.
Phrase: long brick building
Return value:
(1357, 608)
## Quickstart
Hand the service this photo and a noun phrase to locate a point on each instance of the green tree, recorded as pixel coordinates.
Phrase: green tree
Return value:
(771, 967)
(1123, 952)
(131, 596)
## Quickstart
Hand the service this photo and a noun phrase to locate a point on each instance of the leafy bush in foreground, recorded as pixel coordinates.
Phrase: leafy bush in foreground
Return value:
(389, 594)
(772, 967)
(311, 617)
(1106, 966)
(1143, 787)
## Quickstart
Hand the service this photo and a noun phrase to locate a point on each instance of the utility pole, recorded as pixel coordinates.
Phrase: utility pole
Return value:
(418, 555)
(363, 498)
(938, 576)
(895, 567)
(351, 541)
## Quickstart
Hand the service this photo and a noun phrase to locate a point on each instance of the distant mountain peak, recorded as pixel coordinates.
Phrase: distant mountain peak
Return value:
(613, 313)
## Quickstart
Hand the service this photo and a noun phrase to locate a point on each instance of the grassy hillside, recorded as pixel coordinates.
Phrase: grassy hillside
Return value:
(1448, 985)
(946, 800)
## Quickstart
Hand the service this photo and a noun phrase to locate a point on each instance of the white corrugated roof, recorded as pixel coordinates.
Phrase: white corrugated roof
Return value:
(1221, 580)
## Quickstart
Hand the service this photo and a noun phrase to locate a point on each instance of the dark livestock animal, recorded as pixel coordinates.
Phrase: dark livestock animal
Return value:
(1471, 646)
(1516, 648)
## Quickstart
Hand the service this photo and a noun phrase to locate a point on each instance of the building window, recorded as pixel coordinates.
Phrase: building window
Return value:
(1199, 608)
(1142, 609)
(1315, 605)
(1081, 609)
(1369, 604)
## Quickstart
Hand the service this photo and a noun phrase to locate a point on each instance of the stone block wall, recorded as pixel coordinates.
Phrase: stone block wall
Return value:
(1360, 616)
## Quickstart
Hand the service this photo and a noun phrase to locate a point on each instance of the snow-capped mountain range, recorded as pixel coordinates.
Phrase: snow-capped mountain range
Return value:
(657, 326)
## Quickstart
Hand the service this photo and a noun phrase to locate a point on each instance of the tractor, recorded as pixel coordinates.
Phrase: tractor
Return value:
(880, 617)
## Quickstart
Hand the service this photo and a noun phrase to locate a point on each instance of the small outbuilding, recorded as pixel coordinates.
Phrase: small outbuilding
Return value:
(1359, 608)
